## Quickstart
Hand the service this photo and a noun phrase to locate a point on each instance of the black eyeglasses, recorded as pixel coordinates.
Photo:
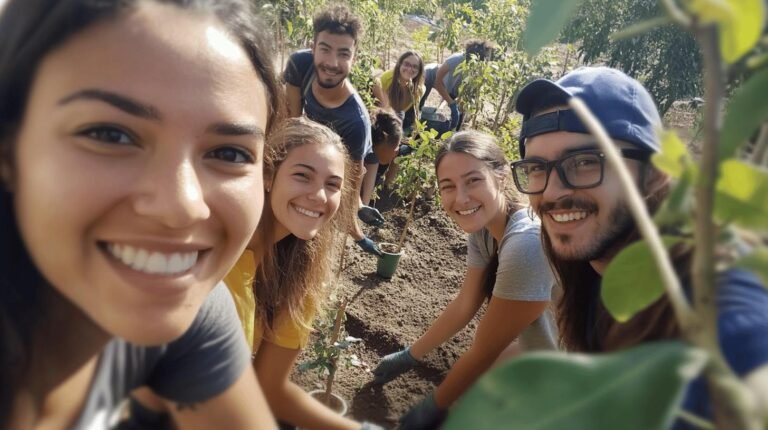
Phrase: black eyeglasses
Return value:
(583, 169)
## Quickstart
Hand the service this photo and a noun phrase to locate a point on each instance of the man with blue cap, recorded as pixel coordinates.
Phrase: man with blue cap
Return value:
(585, 222)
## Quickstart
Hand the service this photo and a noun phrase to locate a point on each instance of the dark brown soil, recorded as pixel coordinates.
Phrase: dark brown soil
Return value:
(391, 314)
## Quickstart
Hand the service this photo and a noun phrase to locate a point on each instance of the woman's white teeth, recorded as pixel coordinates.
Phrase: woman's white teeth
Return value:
(151, 261)
(307, 212)
(469, 211)
(571, 216)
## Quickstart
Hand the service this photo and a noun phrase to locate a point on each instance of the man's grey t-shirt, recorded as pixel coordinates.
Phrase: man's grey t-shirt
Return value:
(202, 363)
(451, 80)
(523, 273)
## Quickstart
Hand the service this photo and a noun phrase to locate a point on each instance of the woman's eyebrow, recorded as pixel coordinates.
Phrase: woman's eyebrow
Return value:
(233, 129)
(124, 103)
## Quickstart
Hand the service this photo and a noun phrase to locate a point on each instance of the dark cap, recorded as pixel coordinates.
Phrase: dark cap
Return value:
(622, 105)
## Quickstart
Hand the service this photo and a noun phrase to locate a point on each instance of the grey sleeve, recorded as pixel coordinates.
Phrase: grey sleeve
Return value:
(208, 358)
(477, 255)
(524, 273)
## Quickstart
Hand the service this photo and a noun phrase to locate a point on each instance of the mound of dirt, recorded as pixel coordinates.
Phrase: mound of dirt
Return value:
(391, 314)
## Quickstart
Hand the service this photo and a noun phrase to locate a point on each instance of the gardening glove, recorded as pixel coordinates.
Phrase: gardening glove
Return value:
(455, 114)
(370, 426)
(369, 246)
(370, 216)
(394, 365)
(426, 415)
(404, 150)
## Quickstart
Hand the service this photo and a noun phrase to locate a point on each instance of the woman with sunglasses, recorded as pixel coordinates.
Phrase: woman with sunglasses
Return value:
(505, 265)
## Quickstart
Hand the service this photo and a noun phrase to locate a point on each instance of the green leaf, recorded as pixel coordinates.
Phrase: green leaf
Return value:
(632, 281)
(640, 28)
(741, 196)
(677, 209)
(740, 21)
(636, 389)
(674, 157)
(746, 111)
(546, 19)
(756, 262)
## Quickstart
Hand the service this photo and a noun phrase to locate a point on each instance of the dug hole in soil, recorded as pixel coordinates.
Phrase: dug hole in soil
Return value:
(389, 315)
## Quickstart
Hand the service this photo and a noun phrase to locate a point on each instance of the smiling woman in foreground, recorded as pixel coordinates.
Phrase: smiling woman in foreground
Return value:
(131, 158)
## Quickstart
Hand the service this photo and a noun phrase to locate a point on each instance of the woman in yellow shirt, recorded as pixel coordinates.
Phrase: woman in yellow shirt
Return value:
(408, 73)
(278, 282)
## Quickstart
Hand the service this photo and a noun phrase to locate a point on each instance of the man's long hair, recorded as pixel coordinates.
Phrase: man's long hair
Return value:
(584, 323)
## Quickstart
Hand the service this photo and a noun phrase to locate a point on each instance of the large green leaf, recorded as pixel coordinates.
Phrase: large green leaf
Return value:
(757, 262)
(545, 21)
(632, 281)
(674, 157)
(742, 195)
(740, 23)
(636, 389)
(746, 111)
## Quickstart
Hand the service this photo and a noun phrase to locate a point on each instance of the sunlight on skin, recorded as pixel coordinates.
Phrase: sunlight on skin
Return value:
(219, 41)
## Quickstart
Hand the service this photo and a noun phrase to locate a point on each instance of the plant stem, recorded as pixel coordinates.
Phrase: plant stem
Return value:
(729, 395)
(760, 149)
(407, 222)
(675, 13)
(695, 420)
(639, 212)
(342, 306)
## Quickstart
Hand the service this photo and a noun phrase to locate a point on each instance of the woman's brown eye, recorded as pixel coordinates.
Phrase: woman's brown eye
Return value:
(108, 134)
(231, 155)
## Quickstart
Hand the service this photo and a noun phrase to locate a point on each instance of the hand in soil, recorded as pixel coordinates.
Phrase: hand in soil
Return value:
(370, 216)
(426, 415)
(369, 246)
(394, 365)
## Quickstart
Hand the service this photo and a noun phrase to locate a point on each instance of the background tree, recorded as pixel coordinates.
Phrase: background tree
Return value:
(667, 60)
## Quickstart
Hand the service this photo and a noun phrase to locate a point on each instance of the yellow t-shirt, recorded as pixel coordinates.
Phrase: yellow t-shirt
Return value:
(386, 82)
(286, 333)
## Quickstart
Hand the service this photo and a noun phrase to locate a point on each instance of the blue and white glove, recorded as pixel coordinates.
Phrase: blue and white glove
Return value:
(424, 416)
(370, 426)
(369, 246)
(370, 216)
(394, 365)
(455, 114)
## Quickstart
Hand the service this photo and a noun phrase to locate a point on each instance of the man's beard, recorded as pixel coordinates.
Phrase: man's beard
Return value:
(619, 226)
(331, 84)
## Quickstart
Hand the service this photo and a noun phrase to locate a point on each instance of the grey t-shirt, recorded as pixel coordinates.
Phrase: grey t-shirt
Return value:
(202, 363)
(451, 80)
(523, 273)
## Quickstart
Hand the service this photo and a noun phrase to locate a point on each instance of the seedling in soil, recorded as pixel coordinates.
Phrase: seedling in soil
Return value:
(416, 177)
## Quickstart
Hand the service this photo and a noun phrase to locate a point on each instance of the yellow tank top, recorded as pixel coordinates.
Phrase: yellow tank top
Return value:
(286, 333)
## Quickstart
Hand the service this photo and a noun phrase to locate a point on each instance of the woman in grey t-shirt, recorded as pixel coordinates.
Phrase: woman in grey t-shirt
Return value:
(131, 135)
(506, 264)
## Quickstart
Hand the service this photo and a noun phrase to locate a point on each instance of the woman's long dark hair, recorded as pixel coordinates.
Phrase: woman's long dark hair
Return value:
(30, 30)
(484, 148)
(399, 97)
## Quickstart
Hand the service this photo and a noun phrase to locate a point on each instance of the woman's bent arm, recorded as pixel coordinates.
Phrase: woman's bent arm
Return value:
(455, 316)
(503, 321)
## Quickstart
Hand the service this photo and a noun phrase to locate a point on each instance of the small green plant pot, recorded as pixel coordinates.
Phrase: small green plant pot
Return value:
(387, 263)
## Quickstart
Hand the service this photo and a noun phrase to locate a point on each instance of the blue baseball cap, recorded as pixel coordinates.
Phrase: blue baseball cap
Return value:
(622, 105)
